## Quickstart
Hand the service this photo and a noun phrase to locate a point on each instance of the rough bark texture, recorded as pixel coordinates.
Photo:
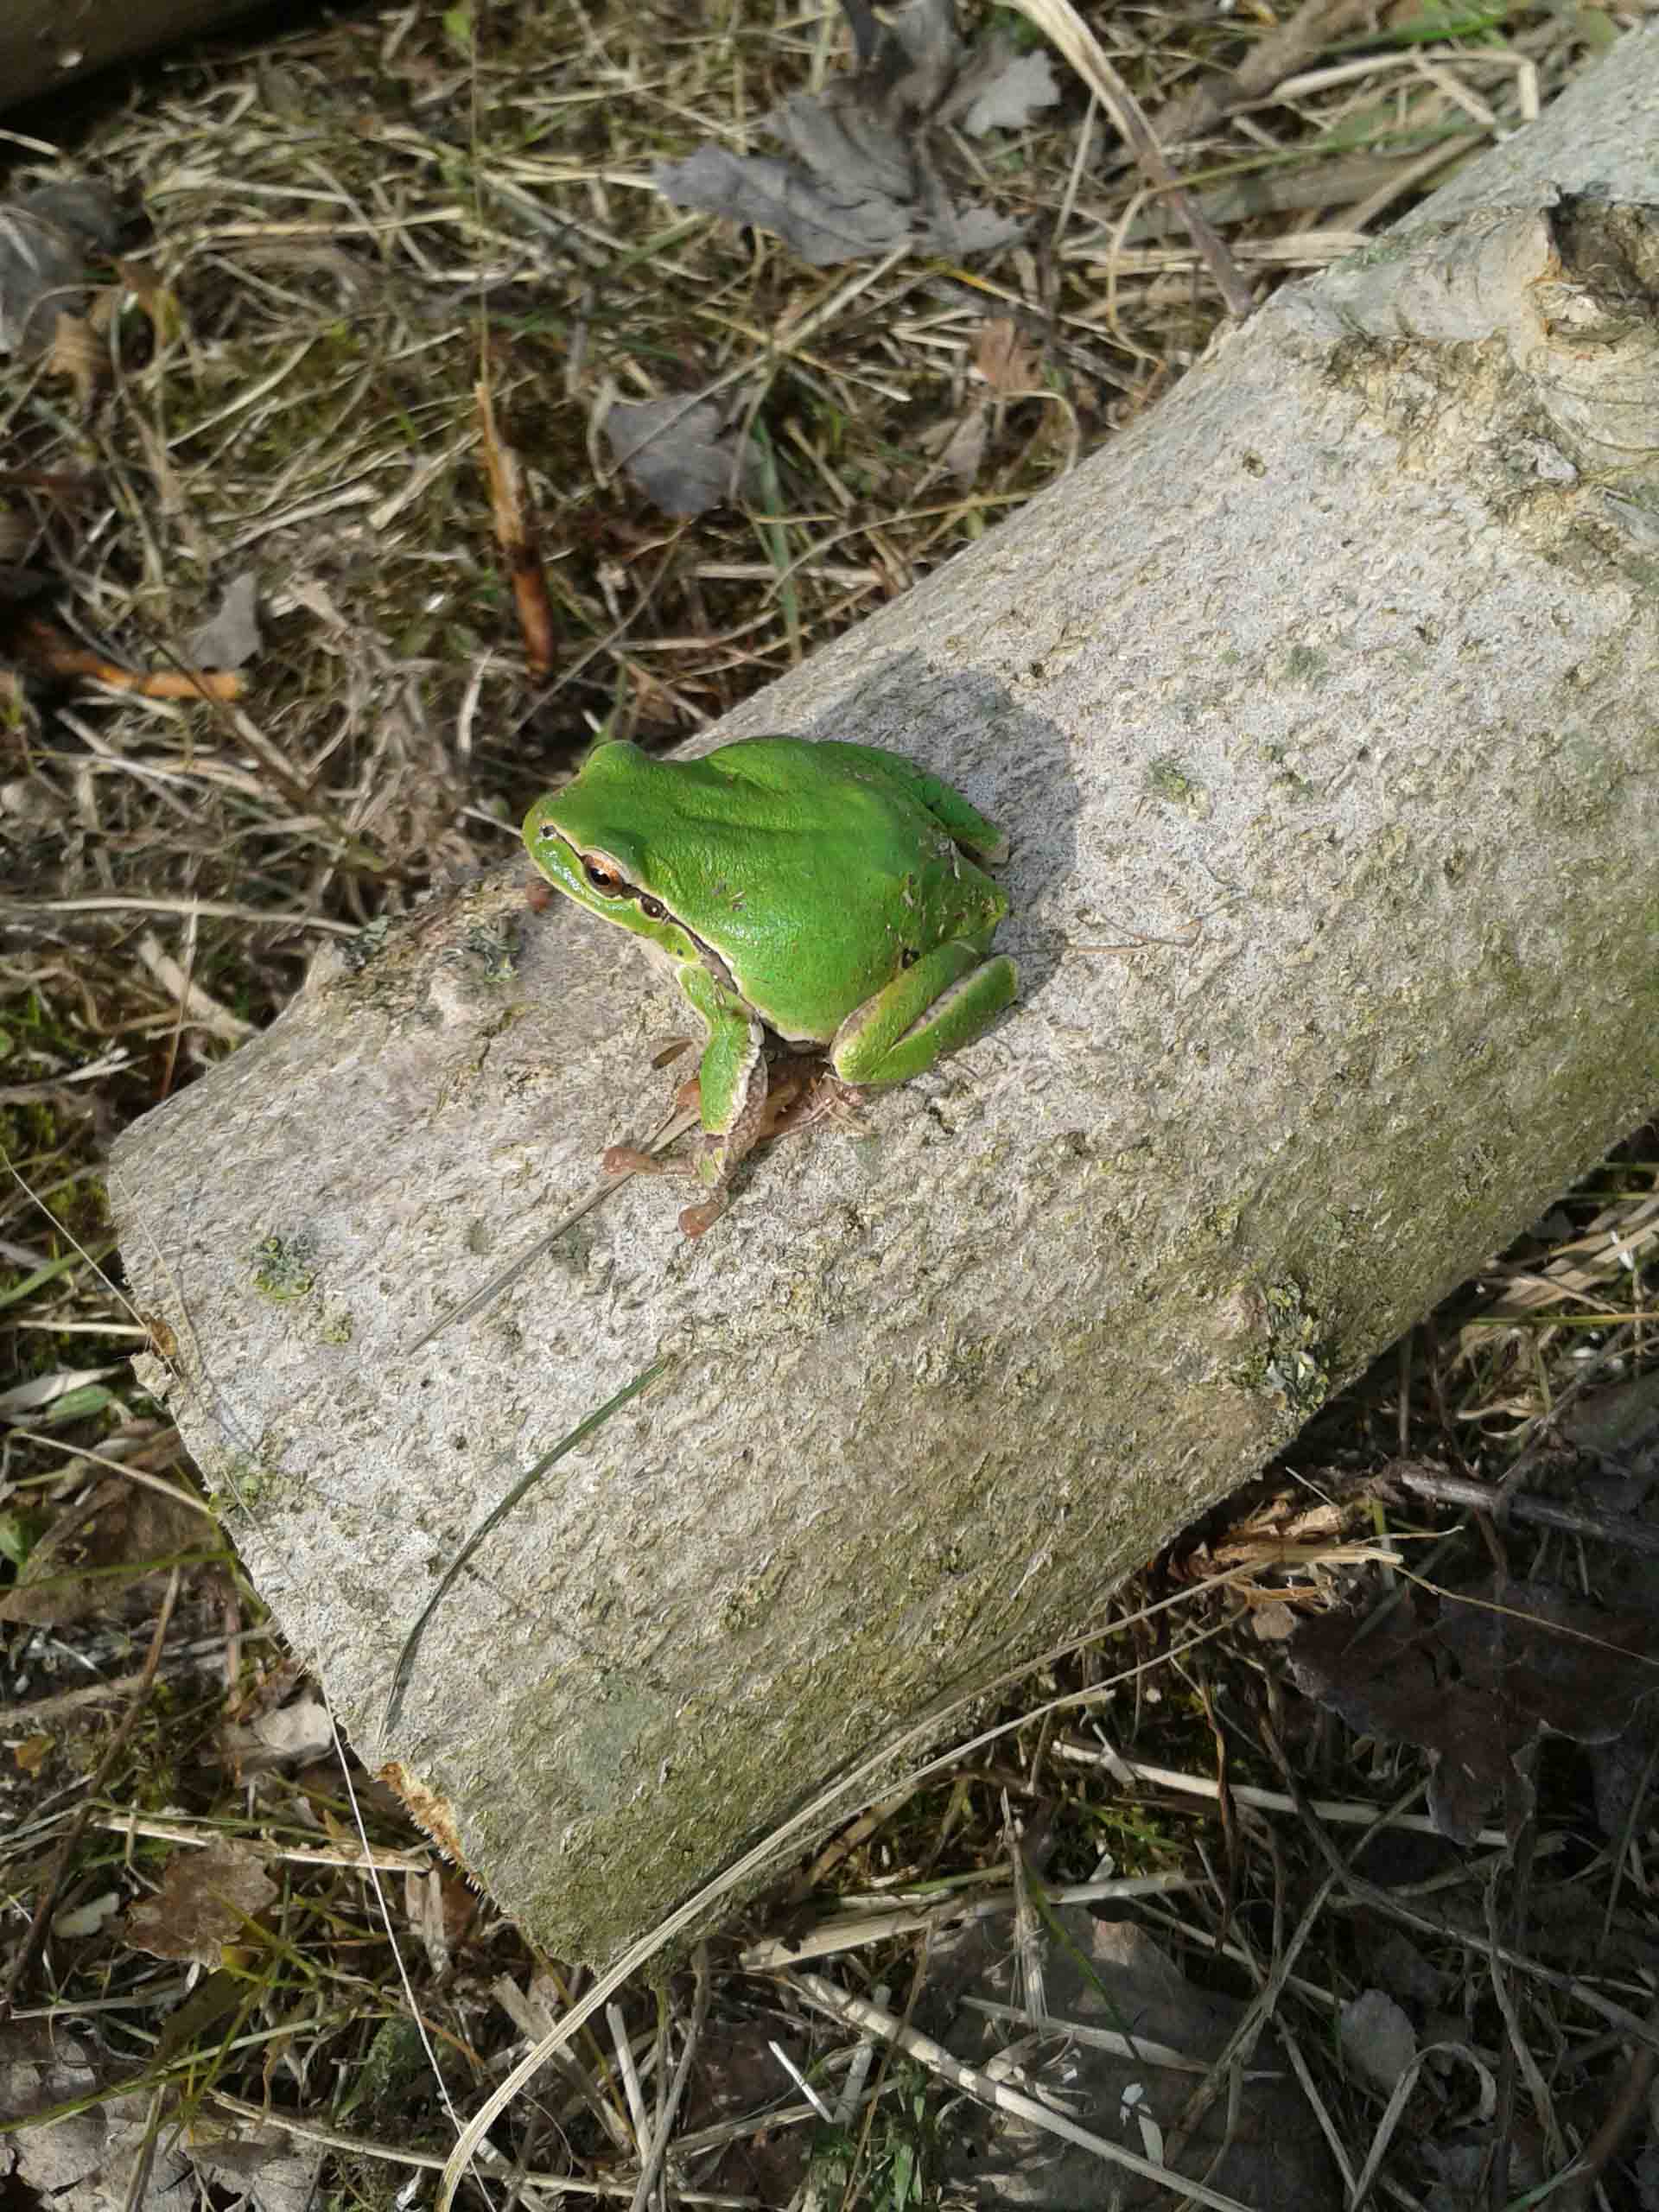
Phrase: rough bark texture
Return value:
(45, 44)
(1320, 707)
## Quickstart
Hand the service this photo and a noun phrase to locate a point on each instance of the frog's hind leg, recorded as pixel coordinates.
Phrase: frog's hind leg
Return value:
(937, 1005)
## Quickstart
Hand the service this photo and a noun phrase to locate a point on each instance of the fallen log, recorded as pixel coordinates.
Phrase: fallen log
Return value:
(1318, 710)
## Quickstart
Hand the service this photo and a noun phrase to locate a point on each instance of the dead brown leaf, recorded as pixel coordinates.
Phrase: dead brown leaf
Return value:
(229, 638)
(861, 178)
(205, 1900)
(292, 1735)
(684, 453)
(1474, 1677)
(109, 1539)
(1007, 363)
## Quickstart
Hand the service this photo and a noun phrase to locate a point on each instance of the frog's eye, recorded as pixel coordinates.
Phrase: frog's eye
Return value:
(602, 878)
(653, 908)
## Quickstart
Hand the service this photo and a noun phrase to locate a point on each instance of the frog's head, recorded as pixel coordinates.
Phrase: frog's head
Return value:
(592, 840)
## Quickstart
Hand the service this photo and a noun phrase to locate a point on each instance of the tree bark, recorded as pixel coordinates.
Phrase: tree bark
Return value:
(46, 44)
(1319, 709)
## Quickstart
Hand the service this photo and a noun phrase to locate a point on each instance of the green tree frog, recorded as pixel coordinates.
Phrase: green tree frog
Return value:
(822, 891)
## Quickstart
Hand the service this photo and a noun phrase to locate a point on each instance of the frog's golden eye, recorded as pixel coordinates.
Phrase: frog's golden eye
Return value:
(602, 878)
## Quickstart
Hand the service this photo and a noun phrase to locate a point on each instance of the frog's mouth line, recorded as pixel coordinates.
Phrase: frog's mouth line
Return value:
(618, 888)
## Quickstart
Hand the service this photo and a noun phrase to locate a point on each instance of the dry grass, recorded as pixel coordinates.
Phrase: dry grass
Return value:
(350, 224)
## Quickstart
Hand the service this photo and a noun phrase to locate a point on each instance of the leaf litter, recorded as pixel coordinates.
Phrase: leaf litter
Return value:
(687, 456)
(47, 239)
(865, 177)
(229, 638)
(1123, 2044)
(1475, 1676)
(108, 2157)
(205, 1900)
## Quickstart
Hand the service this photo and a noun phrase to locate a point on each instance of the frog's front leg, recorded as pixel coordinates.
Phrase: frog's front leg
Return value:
(732, 1080)
(937, 1005)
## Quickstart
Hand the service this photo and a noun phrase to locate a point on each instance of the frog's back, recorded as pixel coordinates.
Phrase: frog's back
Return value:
(829, 767)
(815, 873)
(866, 877)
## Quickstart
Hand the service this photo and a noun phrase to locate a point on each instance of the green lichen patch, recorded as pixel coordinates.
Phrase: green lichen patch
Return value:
(1305, 664)
(285, 1269)
(1291, 1362)
(492, 946)
(240, 1482)
(1167, 779)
